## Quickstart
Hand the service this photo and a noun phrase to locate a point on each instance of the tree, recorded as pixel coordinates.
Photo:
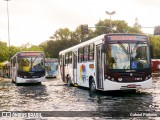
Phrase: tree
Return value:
(13, 50)
(155, 43)
(119, 26)
(4, 52)
(62, 34)
(62, 39)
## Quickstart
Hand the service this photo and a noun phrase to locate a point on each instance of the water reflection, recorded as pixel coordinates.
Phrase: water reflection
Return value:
(55, 96)
(124, 104)
(34, 91)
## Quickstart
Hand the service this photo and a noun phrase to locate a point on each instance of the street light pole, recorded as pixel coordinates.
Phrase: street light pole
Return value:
(111, 13)
(8, 24)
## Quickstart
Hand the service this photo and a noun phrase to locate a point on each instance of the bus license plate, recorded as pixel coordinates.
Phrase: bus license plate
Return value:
(32, 81)
(131, 86)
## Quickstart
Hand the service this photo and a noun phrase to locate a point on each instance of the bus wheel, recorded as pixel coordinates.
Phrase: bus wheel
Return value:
(92, 86)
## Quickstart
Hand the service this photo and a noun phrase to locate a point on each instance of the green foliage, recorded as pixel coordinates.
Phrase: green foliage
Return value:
(155, 43)
(118, 26)
(7, 52)
(4, 52)
(1, 65)
(13, 50)
(62, 39)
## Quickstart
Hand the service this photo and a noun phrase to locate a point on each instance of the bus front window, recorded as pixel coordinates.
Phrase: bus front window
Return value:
(118, 57)
(37, 64)
(30, 63)
(139, 56)
(24, 64)
(127, 56)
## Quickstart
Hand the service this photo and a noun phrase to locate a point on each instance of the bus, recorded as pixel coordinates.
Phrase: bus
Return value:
(5, 71)
(51, 66)
(28, 67)
(108, 62)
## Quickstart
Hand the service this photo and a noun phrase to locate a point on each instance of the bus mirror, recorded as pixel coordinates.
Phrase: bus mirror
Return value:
(103, 48)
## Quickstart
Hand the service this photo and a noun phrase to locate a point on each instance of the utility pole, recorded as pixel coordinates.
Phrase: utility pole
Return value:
(111, 13)
(8, 31)
(8, 24)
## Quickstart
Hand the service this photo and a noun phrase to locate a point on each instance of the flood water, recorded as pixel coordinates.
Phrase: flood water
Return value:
(54, 100)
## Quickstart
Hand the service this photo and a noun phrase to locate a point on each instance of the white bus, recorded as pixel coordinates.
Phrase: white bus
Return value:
(108, 62)
(28, 67)
(51, 66)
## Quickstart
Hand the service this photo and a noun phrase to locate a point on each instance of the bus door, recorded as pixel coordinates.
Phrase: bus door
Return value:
(99, 67)
(63, 68)
(75, 66)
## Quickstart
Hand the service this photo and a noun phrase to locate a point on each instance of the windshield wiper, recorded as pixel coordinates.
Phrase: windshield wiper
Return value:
(123, 48)
(137, 43)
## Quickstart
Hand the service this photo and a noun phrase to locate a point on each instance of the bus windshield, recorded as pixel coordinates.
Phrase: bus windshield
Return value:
(30, 63)
(127, 56)
(50, 66)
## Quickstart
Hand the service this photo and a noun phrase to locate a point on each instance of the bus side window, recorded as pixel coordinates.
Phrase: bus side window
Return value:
(70, 57)
(91, 52)
(85, 53)
(80, 55)
(66, 58)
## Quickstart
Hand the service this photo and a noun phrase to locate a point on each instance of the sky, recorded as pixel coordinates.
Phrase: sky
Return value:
(34, 21)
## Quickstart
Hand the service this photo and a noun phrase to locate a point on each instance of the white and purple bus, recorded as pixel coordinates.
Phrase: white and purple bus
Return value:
(108, 62)
(28, 67)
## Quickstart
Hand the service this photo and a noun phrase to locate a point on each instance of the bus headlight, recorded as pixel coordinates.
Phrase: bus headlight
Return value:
(119, 79)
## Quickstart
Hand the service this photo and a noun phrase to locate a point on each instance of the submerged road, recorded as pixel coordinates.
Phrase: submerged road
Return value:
(53, 99)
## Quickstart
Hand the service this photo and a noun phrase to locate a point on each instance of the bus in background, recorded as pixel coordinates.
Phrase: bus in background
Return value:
(108, 62)
(155, 65)
(28, 67)
(51, 66)
(5, 71)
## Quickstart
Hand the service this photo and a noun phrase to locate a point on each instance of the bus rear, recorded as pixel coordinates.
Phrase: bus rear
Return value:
(28, 67)
(127, 62)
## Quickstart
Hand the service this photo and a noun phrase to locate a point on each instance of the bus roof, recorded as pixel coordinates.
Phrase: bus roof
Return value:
(83, 43)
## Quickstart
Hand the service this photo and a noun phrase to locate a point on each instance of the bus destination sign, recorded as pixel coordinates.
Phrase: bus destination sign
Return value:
(30, 54)
(127, 37)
